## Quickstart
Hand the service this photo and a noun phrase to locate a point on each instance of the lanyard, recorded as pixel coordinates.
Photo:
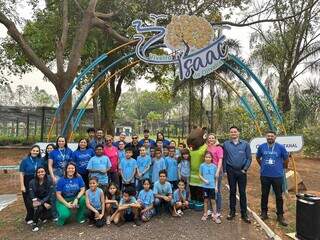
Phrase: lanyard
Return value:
(272, 149)
(35, 163)
(63, 155)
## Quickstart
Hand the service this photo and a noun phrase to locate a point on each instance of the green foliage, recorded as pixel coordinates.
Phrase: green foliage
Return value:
(311, 141)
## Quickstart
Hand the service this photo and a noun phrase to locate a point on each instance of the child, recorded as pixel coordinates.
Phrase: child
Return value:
(181, 199)
(98, 166)
(128, 169)
(121, 151)
(95, 203)
(165, 151)
(146, 199)
(143, 164)
(152, 152)
(112, 201)
(157, 165)
(174, 144)
(172, 168)
(146, 144)
(159, 144)
(184, 168)
(207, 174)
(162, 192)
(128, 208)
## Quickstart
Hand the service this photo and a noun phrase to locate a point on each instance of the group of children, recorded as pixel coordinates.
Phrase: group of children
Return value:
(156, 180)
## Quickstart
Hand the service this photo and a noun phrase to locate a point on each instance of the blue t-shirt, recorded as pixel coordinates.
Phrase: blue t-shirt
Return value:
(208, 172)
(146, 197)
(162, 189)
(81, 159)
(99, 163)
(184, 168)
(172, 168)
(95, 198)
(143, 163)
(157, 166)
(121, 155)
(177, 197)
(272, 159)
(29, 165)
(116, 144)
(60, 158)
(152, 143)
(131, 200)
(70, 187)
(94, 142)
(128, 168)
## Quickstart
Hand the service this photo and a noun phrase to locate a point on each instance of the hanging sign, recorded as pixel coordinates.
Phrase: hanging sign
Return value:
(291, 143)
(195, 47)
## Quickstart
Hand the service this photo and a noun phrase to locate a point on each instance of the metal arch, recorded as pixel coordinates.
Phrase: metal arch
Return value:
(262, 87)
(92, 65)
(96, 91)
(255, 95)
(84, 92)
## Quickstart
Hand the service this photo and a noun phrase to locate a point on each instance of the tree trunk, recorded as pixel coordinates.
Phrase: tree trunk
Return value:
(96, 115)
(108, 108)
(66, 108)
(191, 104)
(212, 95)
(283, 98)
(201, 105)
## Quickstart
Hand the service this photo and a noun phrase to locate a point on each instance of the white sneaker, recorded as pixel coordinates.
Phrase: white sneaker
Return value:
(179, 212)
(30, 222)
(82, 221)
(35, 228)
(44, 221)
(209, 212)
(55, 219)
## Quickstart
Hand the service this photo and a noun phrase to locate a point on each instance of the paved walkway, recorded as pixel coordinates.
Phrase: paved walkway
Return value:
(6, 199)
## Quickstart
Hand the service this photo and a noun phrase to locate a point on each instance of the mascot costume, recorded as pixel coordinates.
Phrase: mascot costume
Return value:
(197, 145)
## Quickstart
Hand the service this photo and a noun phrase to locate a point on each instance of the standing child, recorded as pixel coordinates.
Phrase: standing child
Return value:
(152, 152)
(172, 168)
(128, 208)
(180, 199)
(95, 203)
(112, 201)
(207, 174)
(144, 164)
(162, 192)
(98, 166)
(121, 151)
(157, 165)
(128, 169)
(184, 168)
(146, 199)
(165, 151)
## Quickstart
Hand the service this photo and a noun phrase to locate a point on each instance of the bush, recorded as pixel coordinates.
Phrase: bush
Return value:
(6, 140)
(311, 141)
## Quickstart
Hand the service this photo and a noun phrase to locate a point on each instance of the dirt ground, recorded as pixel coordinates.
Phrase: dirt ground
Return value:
(13, 227)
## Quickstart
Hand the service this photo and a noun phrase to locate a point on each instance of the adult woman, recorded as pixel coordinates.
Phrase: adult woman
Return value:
(112, 153)
(70, 195)
(217, 154)
(81, 158)
(58, 159)
(160, 136)
(49, 148)
(40, 190)
(28, 167)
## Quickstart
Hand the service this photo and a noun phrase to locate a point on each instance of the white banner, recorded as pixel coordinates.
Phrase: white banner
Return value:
(43, 145)
(291, 143)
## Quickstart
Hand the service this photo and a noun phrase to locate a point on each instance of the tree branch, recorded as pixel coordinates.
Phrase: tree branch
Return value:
(78, 5)
(32, 57)
(118, 88)
(105, 15)
(108, 30)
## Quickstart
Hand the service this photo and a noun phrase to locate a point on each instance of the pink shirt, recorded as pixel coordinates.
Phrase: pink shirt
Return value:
(217, 153)
(112, 154)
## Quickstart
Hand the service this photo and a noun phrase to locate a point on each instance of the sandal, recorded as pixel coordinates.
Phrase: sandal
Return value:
(204, 218)
(108, 220)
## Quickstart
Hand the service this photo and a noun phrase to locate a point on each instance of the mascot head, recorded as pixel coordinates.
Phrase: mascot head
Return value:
(196, 138)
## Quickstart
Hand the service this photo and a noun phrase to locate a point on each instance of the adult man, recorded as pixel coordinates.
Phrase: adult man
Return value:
(272, 158)
(236, 160)
(152, 143)
(99, 139)
(134, 145)
(122, 137)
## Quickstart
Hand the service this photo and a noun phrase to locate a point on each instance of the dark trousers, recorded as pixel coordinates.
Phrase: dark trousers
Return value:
(28, 204)
(42, 213)
(236, 177)
(85, 177)
(113, 178)
(97, 222)
(276, 183)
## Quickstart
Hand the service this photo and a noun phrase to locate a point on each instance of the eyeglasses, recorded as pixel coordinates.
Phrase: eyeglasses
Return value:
(109, 140)
(134, 138)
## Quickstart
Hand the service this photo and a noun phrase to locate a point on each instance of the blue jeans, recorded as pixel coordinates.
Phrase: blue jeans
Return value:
(218, 195)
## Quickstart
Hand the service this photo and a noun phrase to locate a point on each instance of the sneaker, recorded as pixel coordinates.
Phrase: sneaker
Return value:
(231, 216)
(179, 212)
(137, 222)
(29, 222)
(55, 219)
(82, 221)
(44, 221)
(246, 219)
(264, 215)
(35, 228)
(282, 221)
(108, 220)
(217, 219)
(209, 212)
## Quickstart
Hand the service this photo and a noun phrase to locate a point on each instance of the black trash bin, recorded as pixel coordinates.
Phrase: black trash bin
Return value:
(308, 217)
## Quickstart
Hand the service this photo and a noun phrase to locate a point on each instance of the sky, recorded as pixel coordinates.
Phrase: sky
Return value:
(35, 78)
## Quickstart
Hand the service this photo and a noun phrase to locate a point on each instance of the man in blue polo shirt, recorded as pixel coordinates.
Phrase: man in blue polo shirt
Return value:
(272, 158)
(236, 162)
